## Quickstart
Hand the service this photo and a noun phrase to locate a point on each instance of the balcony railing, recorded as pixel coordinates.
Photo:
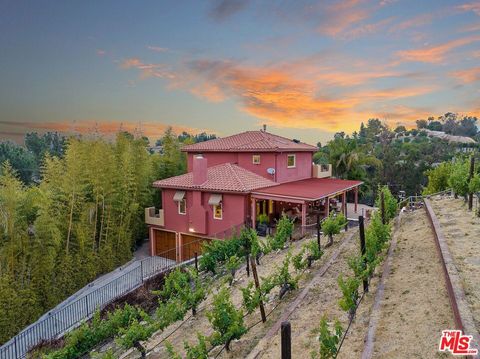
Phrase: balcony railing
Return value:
(322, 171)
(153, 217)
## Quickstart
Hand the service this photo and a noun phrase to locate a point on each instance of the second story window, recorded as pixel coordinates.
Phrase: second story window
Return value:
(291, 161)
(256, 159)
(218, 211)
(182, 206)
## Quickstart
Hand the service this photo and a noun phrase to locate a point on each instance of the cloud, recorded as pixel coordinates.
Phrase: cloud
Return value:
(367, 29)
(339, 17)
(223, 9)
(434, 54)
(416, 21)
(467, 76)
(101, 52)
(474, 6)
(158, 49)
(301, 93)
(148, 70)
(470, 28)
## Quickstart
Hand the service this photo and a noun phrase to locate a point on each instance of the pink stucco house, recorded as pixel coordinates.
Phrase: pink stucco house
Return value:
(233, 180)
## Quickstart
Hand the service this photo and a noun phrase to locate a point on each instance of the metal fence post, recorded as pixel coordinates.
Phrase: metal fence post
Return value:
(196, 262)
(141, 269)
(86, 304)
(15, 346)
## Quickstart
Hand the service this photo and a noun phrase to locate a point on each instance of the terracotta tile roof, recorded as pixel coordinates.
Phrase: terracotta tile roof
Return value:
(225, 177)
(310, 189)
(250, 141)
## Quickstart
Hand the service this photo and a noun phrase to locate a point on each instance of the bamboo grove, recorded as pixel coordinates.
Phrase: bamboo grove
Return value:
(82, 220)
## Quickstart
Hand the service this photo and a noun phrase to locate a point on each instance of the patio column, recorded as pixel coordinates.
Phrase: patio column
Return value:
(356, 199)
(344, 203)
(254, 212)
(327, 206)
(304, 217)
(180, 247)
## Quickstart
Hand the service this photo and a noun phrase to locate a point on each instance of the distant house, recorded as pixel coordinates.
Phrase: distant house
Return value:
(450, 138)
(231, 181)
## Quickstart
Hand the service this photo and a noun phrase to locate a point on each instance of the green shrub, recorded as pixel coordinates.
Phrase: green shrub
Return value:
(249, 241)
(233, 263)
(198, 351)
(332, 226)
(106, 355)
(376, 236)
(298, 261)
(349, 289)
(137, 331)
(226, 320)
(282, 234)
(391, 203)
(329, 339)
(218, 251)
(284, 228)
(83, 339)
(458, 179)
(283, 277)
(186, 286)
(358, 266)
(169, 312)
(438, 178)
(313, 250)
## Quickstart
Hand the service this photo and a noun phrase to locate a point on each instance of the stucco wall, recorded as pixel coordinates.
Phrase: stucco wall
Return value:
(302, 170)
(267, 160)
(234, 212)
(213, 158)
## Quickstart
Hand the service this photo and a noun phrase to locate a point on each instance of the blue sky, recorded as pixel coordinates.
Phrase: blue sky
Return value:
(305, 68)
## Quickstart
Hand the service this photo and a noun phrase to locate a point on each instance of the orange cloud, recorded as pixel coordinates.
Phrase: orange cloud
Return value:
(434, 54)
(289, 99)
(394, 93)
(468, 75)
(474, 6)
(367, 29)
(341, 16)
(334, 77)
(416, 21)
(148, 70)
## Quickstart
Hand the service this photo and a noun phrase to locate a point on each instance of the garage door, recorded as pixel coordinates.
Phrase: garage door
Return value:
(165, 244)
(192, 244)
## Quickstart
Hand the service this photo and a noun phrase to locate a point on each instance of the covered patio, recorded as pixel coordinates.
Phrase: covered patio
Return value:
(304, 199)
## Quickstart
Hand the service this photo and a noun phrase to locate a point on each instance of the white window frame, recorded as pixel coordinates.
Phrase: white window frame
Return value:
(254, 157)
(184, 200)
(294, 160)
(221, 211)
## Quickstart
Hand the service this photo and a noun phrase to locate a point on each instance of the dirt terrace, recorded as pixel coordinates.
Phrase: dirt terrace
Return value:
(415, 307)
(461, 229)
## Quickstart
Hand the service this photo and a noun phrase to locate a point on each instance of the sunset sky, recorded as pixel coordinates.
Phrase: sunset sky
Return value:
(305, 68)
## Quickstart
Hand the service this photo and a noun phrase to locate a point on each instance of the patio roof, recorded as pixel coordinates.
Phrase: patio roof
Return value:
(311, 189)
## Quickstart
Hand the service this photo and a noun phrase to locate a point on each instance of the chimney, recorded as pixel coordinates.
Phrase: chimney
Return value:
(199, 170)
(264, 128)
